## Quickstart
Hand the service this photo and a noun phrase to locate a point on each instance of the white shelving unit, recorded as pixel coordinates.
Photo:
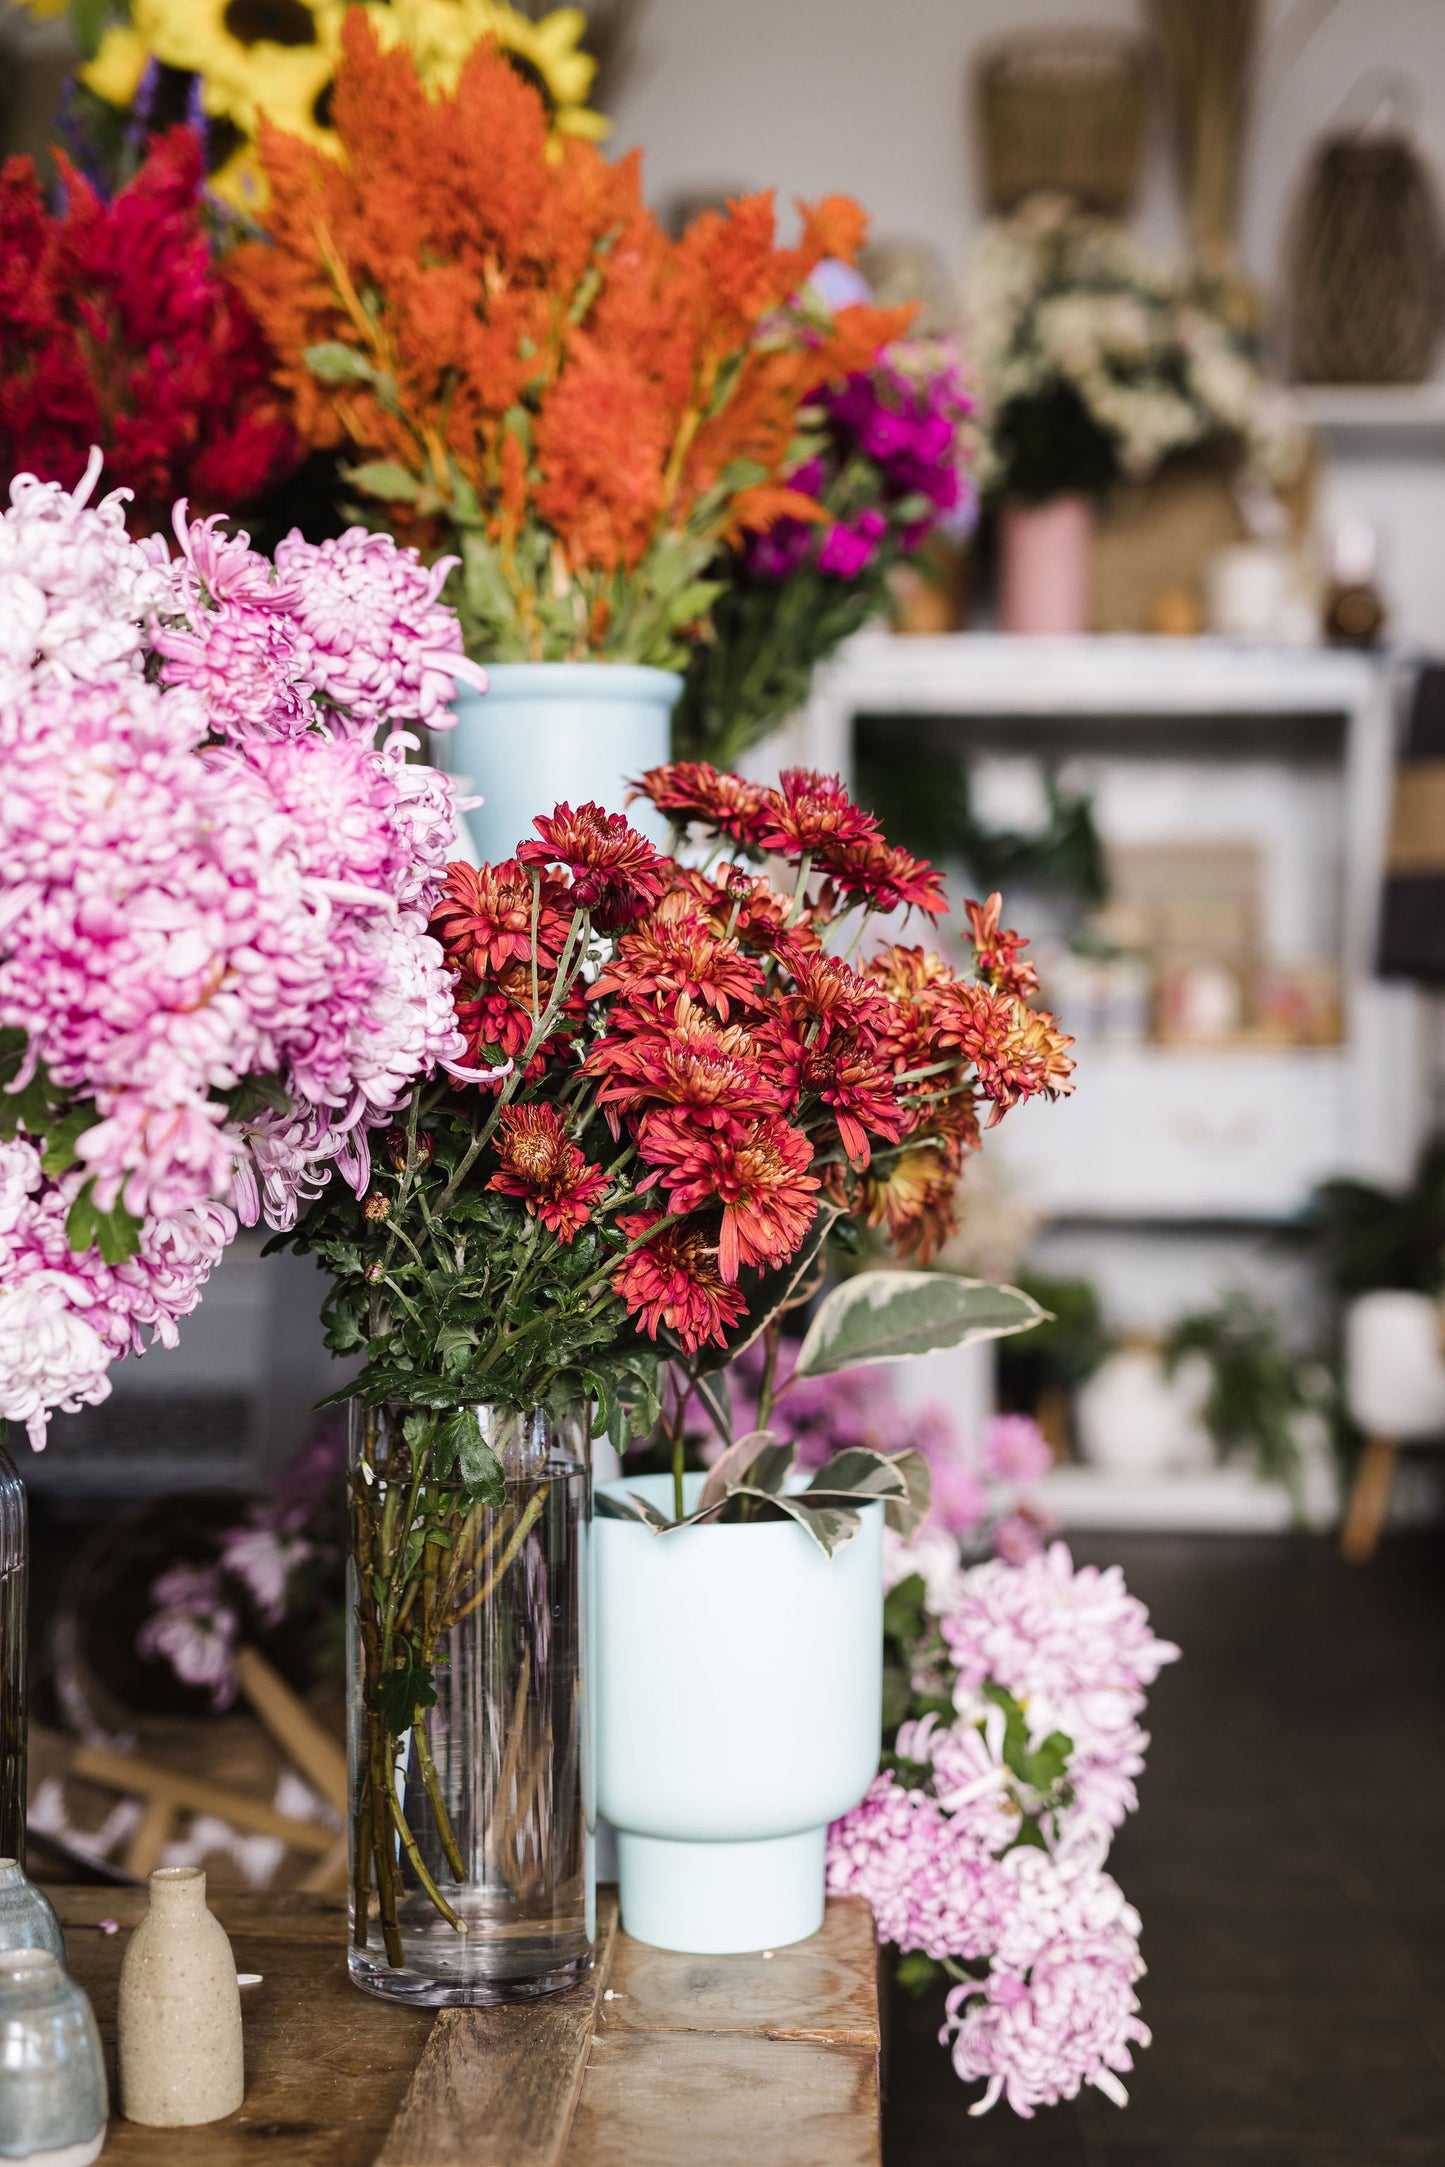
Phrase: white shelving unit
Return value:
(1299, 760)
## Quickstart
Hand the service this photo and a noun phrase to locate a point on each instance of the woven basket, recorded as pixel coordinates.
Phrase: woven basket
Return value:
(1365, 274)
(1063, 112)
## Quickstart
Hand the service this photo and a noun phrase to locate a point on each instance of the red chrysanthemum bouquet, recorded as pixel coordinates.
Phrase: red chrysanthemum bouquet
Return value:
(696, 1088)
(117, 330)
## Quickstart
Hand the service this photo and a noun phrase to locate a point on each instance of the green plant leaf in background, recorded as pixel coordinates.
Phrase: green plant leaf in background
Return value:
(886, 1316)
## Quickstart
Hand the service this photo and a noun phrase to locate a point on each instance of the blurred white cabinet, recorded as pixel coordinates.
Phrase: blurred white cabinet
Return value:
(1189, 741)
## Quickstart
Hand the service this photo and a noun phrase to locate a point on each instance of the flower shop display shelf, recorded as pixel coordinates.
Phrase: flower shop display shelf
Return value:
(1290, 749)
(772, 2058)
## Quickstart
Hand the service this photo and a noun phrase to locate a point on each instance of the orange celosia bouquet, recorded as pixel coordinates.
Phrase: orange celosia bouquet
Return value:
(521, 365)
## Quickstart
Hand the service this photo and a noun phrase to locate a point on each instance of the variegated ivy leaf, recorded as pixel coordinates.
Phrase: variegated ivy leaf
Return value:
(734, 1467)
(885, 1316)
(900, 1479)
(831, 1524)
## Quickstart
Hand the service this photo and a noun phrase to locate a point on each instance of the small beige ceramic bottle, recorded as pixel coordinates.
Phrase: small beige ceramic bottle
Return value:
(178, 2021)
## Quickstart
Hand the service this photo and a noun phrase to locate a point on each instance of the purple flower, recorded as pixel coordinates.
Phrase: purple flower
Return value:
(849, 550)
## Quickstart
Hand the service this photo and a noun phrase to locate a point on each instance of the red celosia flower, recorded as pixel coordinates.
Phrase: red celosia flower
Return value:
(677, 952)
(1018, 1052)
(538, 1162)
(691, 790)
(116, 329)
(756, 1171)
(872, 872)
(616, 873)
(812, 813)
(484, 919)
(682, 1057)
(998, 949)
(674, 1280)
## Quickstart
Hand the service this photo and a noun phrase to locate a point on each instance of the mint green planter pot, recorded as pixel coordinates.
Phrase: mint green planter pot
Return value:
(548, 731)
(739, 1682)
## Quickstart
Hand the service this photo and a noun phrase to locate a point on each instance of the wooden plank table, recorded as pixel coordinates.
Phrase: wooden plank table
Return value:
(658, 2061)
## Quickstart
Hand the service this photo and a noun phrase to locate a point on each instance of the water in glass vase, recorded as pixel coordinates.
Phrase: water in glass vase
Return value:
(472, 1825)
(14, 1583)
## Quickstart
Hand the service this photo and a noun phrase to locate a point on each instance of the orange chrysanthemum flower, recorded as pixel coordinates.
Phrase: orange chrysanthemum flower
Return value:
(680, 1056)
(997, 948)
(756, 1171)
(537, 1161)
(674, 1281)
(678, 953)
(484, 919)
(1018, 1052)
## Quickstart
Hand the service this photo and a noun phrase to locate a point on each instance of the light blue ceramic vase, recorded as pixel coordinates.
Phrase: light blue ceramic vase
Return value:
(739, 1679)
(53, 2102)
(549, 731)
(27, 1916)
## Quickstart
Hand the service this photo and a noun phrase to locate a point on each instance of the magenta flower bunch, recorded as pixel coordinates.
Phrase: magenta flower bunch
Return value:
(215, 878)
(887, 464)
(981, 1845)
(891, 468)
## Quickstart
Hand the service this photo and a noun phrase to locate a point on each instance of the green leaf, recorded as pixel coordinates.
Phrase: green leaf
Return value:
(402, 1695)
(114, 1233)
(385, 479)
(904, 1608)
(29, 1109)
(713, 1392)
(480, 1469)
(830, 1525)
(919, 1974)
(331, 362)
(739, 1465)
(885, 1316)
(59, 1154)
(633, 1507)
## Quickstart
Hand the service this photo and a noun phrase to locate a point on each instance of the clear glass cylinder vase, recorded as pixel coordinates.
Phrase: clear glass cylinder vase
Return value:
(14, 1594)
(472, 1815)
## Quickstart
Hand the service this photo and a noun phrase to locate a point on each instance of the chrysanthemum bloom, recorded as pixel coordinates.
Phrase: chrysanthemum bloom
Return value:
(677, 953)
(616, 873)
(1058, 2009)
(874, 874)
(846, 1074)
(1017, 1051)
(680, 1056)
(757, 1172)
(496, 1020)
(997, 948)
(751, 911)
(377, 640)
(674, 1281)
(912, 1198)
(692, 790)
(538, 1162)
(930, 1885)
(812, 814)
(484, 919)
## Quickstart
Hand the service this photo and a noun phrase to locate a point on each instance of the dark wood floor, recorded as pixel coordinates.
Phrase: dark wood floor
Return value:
(1289, 1862)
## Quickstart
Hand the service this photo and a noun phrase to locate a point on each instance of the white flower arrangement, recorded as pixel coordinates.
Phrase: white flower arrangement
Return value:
(1095, 363)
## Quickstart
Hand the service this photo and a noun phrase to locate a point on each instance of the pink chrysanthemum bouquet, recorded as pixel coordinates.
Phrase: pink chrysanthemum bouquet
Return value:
(215, 974)
(981, 1845)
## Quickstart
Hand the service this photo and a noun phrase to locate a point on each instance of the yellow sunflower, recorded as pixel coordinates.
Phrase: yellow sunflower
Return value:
(439, 34)
(276, 57)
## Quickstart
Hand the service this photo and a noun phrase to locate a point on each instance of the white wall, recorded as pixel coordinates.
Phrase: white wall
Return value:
(871, 96)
